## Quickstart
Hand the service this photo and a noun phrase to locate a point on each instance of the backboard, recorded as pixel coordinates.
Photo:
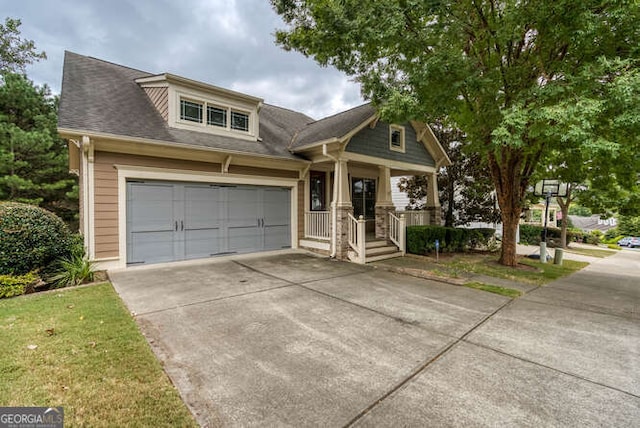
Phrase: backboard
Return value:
(549, 187)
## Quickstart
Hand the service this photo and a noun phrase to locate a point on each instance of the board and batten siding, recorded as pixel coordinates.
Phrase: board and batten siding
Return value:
(375, 142)
(106, 190)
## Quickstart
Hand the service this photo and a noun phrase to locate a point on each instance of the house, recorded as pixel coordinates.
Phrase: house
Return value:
(172, 169)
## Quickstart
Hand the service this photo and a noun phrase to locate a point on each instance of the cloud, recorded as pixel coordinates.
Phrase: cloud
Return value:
(228, 43)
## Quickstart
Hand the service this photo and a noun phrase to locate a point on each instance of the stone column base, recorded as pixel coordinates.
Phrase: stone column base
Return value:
(435, 215)
(382, 220)
(342, 231)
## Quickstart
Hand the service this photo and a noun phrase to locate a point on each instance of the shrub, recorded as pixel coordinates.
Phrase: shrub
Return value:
(31, 238)
(594, 237)
(17, 285)
(74, 270)
(531, 234)
(421, 239)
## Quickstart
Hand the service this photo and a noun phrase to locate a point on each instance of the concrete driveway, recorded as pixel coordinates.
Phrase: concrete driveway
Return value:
(297, 340)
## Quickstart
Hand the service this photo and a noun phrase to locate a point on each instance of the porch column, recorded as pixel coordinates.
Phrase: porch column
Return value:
(433, 200)
(341, 207)
(384, 202)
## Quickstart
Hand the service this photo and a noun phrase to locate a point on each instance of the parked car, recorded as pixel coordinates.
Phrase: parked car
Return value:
(634, 243)
(624, 242)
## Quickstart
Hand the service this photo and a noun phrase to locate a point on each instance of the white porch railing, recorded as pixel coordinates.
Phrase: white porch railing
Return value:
(357, 238)
(397, 231)
(415, 218)
(316, 225)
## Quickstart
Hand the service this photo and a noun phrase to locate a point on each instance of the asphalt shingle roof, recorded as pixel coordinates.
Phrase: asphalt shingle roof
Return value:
(103, 97)
(335, 126)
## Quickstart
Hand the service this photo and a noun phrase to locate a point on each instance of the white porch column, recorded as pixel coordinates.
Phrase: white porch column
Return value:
(341, 207)
(384, 202)
(433, 200)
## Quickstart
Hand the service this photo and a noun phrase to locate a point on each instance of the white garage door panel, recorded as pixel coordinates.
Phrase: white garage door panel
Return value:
(175, 221)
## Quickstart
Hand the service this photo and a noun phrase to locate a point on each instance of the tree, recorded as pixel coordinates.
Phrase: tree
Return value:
(507, 72)
(33, 158)
(15, 52)
(465, 190)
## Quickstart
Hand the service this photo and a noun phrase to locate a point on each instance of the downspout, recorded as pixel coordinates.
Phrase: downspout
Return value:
(334, 209)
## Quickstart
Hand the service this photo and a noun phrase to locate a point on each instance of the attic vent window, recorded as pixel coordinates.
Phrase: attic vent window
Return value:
(396, 138)
(239, 121)
(191, 111)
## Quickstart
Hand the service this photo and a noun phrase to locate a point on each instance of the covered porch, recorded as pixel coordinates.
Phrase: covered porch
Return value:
(349, 213)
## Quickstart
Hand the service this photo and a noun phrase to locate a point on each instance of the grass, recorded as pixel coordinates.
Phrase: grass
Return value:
(460, 265)
(79, 348)
(537, 273)
(591, 252)
(509, 292)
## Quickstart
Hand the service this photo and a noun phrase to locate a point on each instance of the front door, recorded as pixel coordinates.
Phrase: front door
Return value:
(363, 197)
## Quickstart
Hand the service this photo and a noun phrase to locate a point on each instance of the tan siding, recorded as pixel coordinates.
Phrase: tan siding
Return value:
(160, 99)
(267, 172)
(301, 198)
(106, 191)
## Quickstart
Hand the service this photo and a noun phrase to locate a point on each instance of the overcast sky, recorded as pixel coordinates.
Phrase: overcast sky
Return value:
(228, 43)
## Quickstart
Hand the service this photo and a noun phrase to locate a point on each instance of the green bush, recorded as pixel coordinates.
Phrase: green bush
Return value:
(17, 285)
(31, 238)
(531, 234)
(594, 237)
(614, 247)
(421, 239)
(74, 270)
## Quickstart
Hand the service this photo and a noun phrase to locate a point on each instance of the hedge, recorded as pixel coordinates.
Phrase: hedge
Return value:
(421, 239)
(11, 286)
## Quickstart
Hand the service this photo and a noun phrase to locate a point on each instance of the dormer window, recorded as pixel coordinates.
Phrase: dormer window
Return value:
(396, 138)
(190, 111)
(216, 116)
(239, 121)
(196, 106)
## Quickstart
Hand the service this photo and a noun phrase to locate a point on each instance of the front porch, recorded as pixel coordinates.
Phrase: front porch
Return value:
(349, 212)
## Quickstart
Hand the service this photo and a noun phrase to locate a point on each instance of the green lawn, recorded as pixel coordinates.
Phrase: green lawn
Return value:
(530, 271)
(79, 348)
(462, 265)
(592, 252)
(509, 292)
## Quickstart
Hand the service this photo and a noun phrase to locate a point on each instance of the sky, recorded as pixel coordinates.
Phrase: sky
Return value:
(227, 43)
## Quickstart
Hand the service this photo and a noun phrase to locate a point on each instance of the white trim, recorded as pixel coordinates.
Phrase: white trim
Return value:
(92, 206)
(399, 128)
(149, 173)
(306, 243)
(392, 164)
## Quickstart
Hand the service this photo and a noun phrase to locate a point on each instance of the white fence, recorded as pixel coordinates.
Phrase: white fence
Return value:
(357, 238)
(397, 231)
(316, 225)
(415, 218)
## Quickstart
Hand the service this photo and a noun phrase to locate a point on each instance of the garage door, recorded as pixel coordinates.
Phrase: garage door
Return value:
(169, 221)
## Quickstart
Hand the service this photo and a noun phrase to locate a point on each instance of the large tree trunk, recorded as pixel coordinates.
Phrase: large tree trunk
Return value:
(564, 209)
(511, 184)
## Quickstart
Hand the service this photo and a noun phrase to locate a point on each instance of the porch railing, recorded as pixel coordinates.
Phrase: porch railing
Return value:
(397, 231)
(316, 225)
(415, 218)
(357, 238)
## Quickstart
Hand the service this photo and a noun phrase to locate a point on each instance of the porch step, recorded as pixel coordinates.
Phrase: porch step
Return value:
(375, 244)
(384, 257)
(376, 251)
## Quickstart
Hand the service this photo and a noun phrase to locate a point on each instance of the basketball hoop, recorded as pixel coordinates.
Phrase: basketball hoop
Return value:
(548, 188)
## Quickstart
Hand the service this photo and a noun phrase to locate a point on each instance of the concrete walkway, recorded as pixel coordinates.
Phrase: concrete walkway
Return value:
(296, 340)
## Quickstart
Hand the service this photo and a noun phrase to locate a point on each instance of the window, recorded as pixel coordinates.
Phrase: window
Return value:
(317, 185)
(396, 138)
(363, 197)
(216, 116)
(190, 111)
(239, 121)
